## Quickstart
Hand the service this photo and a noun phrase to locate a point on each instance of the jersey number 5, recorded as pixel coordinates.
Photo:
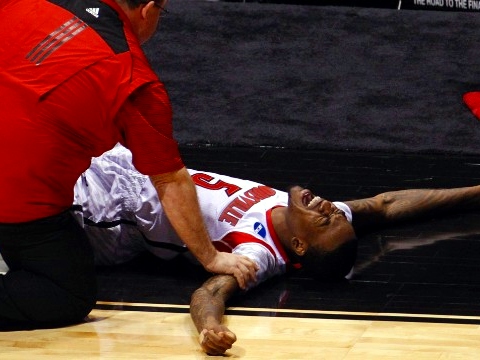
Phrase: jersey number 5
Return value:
(205, 181)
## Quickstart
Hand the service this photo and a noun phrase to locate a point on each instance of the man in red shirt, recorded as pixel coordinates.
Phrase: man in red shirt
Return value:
(74, 82)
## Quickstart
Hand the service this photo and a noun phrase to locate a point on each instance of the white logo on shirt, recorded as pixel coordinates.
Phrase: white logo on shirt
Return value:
(93, 11)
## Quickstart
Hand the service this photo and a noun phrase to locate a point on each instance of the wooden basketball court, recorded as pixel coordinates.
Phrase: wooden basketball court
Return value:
(414, 294)
(121, 334)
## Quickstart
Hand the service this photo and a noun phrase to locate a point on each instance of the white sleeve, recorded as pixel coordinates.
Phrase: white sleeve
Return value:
(268, 266)
(344, 207)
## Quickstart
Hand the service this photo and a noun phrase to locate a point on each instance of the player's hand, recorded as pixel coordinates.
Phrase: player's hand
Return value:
(216, 341)
(241, 267)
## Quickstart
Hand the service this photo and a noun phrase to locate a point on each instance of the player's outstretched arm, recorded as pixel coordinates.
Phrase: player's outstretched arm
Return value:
(207, 307)
(395, 206)
(178, 196)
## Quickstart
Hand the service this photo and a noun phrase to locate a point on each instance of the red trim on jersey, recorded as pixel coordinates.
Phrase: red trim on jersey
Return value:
(233, 239)
(277, 242)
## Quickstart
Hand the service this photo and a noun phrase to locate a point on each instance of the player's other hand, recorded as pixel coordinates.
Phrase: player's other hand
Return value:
(241, 267)
(216, 341)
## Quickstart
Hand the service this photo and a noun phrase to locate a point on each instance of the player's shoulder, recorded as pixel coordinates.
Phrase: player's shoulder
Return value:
(345, 208)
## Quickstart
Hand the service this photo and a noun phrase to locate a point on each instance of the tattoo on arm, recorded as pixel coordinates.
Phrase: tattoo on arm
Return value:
(402, 205)
(207, 305)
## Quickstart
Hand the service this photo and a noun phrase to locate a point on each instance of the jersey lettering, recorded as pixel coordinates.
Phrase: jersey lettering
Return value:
(241, 204)
(204, 180)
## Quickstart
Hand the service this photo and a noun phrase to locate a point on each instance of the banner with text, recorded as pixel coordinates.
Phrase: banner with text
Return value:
(448, 5)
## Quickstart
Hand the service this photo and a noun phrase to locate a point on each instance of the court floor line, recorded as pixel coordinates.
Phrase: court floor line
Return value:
(350, 315)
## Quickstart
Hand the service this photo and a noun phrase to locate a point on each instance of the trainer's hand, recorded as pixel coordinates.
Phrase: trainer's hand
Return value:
(241, 267)
(216, 341)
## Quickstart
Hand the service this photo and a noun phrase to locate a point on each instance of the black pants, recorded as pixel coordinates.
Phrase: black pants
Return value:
(51, 278)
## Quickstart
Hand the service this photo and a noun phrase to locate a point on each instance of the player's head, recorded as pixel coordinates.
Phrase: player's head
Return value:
(144, 16)
(322, 238)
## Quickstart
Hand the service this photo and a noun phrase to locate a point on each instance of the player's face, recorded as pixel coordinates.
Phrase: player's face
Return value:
(317, 221)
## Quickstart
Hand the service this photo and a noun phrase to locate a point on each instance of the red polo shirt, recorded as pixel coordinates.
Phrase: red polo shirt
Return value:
(73, 82)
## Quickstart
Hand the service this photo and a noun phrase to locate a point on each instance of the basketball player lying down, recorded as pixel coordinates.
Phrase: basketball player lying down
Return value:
(281, 231)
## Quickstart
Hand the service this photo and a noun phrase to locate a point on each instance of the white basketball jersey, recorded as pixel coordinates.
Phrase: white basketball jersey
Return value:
(122, 214)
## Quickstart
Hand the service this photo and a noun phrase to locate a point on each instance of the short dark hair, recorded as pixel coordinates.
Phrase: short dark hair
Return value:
(132, 4)
(330, 266)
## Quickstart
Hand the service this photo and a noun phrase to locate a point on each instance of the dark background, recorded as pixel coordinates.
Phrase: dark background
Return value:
(438, 5)
(319, 77)
(349, 101)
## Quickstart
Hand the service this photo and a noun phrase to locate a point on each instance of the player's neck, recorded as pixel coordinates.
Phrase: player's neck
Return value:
(280, 226)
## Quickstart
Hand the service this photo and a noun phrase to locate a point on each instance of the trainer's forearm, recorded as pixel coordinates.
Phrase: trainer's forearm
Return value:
(178, 196)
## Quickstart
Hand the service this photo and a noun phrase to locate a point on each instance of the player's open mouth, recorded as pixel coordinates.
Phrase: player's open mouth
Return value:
(309, 200)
